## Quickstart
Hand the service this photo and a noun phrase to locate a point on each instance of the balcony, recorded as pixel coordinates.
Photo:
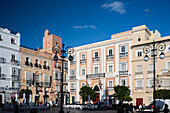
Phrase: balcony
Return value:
(36, 65)
(38, 83)
(123, 54)
(149, 72)
(110, 57)
(138, 88)
(14, 90)
(57, 79)
(15, 62)
(149, 89)
(46, 67)
(28, 64)
(72, 90)
(73, 63)
(110, 89)
(165, 71)
(93, 76)
(14, 77)
(29, 82)
(73, 77)
(2, 60)
(82, 61)
(139, 73)
(2, 76)
(125, 72)
(46, 84)
(95, 59)
(2, 89)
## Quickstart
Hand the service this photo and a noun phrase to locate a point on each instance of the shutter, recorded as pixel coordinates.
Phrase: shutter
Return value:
(168, 64)
(125, 48)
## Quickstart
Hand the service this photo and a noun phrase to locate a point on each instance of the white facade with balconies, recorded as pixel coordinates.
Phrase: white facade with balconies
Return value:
(9, 64)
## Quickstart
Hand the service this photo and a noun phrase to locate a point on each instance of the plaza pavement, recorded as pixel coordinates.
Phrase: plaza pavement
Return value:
(56, 110)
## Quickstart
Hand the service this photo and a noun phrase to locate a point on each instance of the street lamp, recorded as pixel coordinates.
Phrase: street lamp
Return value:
(160, 47)
(69, 50)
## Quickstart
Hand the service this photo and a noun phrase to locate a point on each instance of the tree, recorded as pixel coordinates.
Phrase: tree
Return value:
(27, 94)
(85, 91)
(121, 92)
(162, 94)
(128, 98)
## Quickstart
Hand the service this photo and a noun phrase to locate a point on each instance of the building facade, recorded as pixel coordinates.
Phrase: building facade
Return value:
(9, 65)
(119, 61)
(36, 75)
(101, 65)
(49, 41)
(142, 89)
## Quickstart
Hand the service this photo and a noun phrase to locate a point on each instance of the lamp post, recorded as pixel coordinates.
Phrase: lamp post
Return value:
(153, 50)
(69, 50)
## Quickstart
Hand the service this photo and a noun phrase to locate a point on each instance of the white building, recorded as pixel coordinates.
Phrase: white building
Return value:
(9, 65)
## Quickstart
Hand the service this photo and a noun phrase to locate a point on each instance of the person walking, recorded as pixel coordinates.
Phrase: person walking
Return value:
(166, 110)
(131, 108)
(140, 107)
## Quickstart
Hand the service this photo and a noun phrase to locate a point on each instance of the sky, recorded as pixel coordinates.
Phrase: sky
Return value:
(80, 22)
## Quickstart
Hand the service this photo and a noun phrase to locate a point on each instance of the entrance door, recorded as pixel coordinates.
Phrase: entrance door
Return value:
(97, 92)
(139, 101)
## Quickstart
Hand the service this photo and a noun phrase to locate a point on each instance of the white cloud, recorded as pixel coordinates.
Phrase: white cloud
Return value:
(114, 6)
(85, 27)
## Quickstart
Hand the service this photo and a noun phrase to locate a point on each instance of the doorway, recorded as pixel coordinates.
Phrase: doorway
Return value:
(97, 92)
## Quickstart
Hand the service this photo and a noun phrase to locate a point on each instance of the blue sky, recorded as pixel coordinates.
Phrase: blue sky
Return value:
(80, 22)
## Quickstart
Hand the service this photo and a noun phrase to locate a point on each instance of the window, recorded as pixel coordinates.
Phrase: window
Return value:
(168, 65)
(110, 68)
(96, 54)
(139, 68)
(72, 85)
(0, 37)
(110, 52)
(72, 72)
(45, 63)
(139, 39)
(13, 41)
(150, 68)
(139, 53)
(56, 64)
(83, 84)
(123, 66)
(13, 57)
(83, 56)
(166, 83)
(14, 71)
(123, 82)
(0, 70)
(73, 99)
(36, 61)
(139, 83)
(27, 59)
(123, 48)
(65, 77)
(83, 71)
(110, 83)
(57, 75)
(150, 83)
(96, 70)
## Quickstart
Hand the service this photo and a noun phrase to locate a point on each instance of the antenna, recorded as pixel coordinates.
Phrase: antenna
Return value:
(147, 10)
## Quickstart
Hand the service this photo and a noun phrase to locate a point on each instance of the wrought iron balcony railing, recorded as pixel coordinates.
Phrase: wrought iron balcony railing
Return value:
(138, 88)
(99, 75)
(72, 77)
(110, 89)
(110, 57)
(123, 54)
(2, 60)
(2, 76)
(73, 63)
(72, 90)
(123, 72)
(46, 84)
(15, 62)
(95, 59)
(139, 73)
(165, 71)
(82, 61)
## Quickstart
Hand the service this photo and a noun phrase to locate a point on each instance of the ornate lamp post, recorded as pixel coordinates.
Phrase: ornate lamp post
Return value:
(69, 50)
(153, 50)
